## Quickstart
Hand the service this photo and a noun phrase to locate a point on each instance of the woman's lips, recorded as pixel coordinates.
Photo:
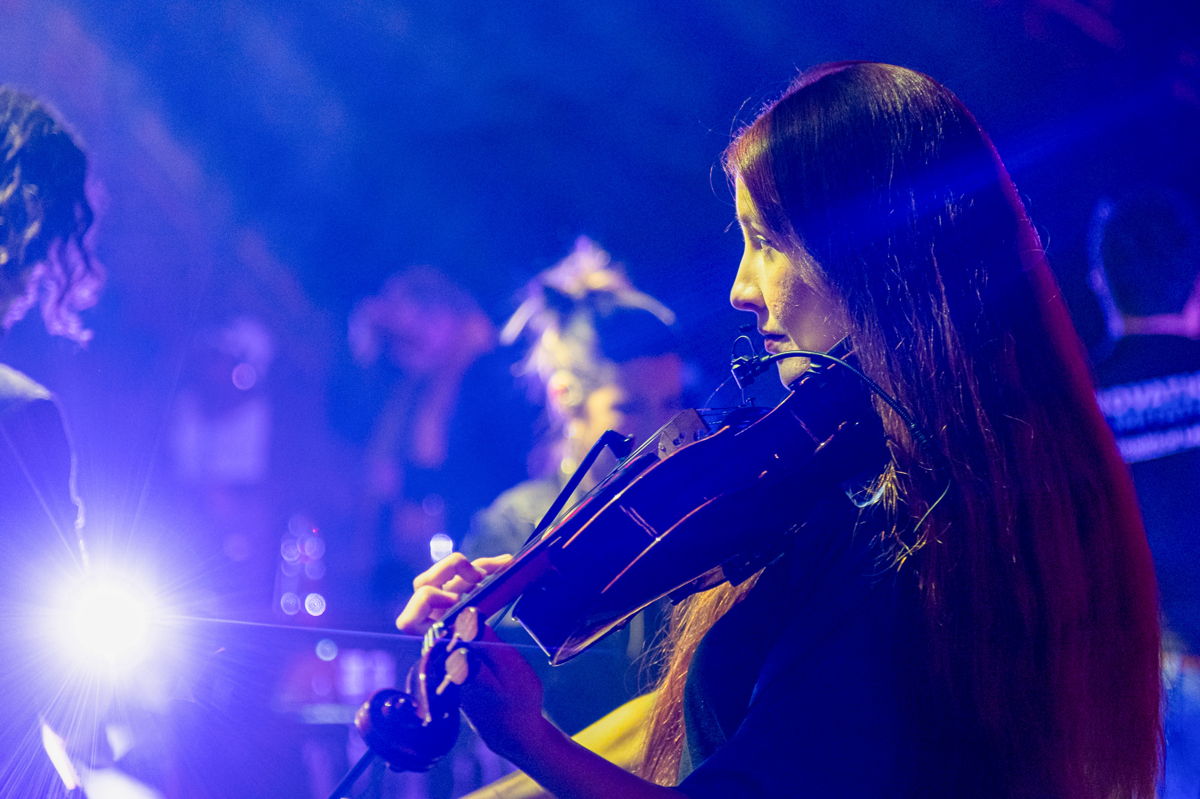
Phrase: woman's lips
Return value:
(775, 344)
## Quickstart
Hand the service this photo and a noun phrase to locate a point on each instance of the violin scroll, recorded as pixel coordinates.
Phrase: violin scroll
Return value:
(393, 730)
(413, 729)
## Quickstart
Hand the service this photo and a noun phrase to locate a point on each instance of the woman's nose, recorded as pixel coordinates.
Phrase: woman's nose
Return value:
(745, 294)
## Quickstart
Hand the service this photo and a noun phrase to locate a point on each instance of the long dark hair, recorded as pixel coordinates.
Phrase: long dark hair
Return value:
(1036, 581)
(44, 217)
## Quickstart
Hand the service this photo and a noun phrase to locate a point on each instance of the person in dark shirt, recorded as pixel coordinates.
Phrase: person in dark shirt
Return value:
(1146, 272)
(431, 402)
(981, 620)
(1145, 269)
(44, 217)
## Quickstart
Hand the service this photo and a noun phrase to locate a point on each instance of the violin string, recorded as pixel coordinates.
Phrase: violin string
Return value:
(338, 632)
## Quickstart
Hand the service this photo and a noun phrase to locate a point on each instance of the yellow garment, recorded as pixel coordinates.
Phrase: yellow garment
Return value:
(618, 737)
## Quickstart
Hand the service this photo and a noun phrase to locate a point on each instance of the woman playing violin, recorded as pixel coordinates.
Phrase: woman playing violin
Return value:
(979, 620)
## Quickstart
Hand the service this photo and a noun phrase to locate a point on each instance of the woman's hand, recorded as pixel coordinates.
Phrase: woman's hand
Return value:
(502, 698)
(441, 586)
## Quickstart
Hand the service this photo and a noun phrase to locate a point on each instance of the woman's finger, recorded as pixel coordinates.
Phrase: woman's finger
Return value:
(426, 606)
(489, 565)
(458, 585)
(449, 567)
(464, 581)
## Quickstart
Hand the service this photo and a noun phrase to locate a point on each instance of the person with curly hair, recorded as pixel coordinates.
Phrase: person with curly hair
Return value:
(44, 259)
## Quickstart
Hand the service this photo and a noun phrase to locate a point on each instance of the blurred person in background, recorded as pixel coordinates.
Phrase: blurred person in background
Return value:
(432, 405)
(44, 259)
(601, 356)
(1145, 269)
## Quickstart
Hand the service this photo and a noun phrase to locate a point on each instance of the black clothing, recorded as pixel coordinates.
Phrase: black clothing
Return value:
(39, 549)
(807, 686)
(491, 429)
(488, 432)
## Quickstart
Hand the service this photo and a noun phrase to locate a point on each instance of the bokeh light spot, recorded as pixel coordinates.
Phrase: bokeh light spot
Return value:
(315, 604)
(289, 551)
(244, 376)
(327, 650)
(440, 546)
(289, 603)
(314, 547)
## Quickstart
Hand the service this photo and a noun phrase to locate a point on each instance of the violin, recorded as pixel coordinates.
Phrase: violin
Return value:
(713, 496)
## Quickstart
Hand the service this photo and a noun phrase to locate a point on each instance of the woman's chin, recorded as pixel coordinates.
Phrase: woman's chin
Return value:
(791, 370)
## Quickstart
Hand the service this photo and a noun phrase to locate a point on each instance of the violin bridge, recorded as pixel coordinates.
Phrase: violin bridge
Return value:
(682, 430)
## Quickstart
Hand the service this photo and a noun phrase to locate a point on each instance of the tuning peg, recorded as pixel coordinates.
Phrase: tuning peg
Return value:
(466, 626)
(457, 669)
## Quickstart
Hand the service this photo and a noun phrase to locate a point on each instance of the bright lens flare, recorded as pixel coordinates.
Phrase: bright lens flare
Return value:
(106, 623)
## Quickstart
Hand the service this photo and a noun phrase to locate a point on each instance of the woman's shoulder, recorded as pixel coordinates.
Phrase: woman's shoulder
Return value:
(36, 465)
(32, 422)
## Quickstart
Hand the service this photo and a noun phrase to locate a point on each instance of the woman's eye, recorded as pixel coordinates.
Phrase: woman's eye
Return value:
(762, 242)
